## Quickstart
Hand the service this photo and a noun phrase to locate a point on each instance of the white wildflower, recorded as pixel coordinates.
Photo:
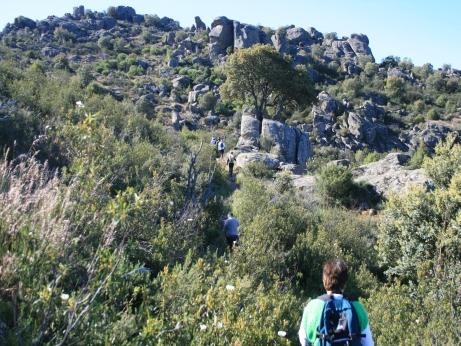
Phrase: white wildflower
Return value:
(282, 333)
(79, 104)
(202, 327)
(64, 296)
(190, 220)
(230, 287)
(220, 325)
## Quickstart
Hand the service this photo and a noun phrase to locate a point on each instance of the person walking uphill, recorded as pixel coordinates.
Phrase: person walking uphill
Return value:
(230, 163)
(231, 230)
(333, 319)
(221, 147)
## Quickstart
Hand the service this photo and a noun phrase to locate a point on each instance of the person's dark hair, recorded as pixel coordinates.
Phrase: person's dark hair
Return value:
(334, 275)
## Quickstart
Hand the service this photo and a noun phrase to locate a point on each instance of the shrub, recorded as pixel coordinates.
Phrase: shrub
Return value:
(365, 156)
(432, 114)
(266, 144)
(395, 88)
(335, 184)
(284, 182)
(105, 43)
(208, 101)
(258, 169)
(408, 314)
(446, 162)
(417, 158)
(371, 69)
(418, 106)
(419, 233)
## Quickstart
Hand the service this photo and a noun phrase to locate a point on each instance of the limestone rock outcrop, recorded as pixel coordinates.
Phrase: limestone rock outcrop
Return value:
(390, 175)
(269, 160)
(359, 44)
(289, 143)
(221, 35)
(249, 133)
(245, 35)
(199, 24)
(429, 133)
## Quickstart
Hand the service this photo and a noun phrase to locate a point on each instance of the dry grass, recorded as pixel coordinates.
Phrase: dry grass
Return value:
(32, 197)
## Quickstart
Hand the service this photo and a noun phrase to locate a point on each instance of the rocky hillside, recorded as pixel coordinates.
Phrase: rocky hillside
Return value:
(112, 197)
(164, 68)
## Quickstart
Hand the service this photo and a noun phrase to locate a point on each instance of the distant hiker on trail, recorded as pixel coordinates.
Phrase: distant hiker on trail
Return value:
(213, 141)
(221, 147)
(231, 230)
(333, 319)
(230, 163)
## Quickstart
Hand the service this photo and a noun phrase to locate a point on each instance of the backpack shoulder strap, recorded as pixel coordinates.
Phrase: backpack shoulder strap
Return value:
(325, 297)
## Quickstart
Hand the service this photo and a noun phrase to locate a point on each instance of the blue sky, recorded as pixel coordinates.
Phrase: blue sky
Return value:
(423, 30)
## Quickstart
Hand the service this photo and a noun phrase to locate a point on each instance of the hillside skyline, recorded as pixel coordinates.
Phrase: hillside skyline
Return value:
(422, 33)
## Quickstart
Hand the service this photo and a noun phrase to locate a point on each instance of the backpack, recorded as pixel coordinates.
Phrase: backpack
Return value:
(339, 324)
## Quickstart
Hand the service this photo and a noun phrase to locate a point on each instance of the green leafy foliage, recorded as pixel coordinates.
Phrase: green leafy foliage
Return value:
(111, 222)
(261, 76)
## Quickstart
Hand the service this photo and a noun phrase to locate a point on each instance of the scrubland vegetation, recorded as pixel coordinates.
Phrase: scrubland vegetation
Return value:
(110, 220)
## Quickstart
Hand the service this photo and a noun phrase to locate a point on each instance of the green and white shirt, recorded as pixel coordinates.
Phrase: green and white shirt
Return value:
(311, 320)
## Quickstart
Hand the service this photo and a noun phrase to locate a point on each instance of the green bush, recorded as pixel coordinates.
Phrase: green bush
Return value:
(335, 183)
(259, 170)
(208, 101)
(432, 114)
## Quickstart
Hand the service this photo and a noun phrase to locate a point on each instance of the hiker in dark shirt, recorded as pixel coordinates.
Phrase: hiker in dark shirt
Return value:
(231, 230)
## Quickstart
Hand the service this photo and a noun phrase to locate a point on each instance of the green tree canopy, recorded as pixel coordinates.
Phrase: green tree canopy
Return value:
(262, 77)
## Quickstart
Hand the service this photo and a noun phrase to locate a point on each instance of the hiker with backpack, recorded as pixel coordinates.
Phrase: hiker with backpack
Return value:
(221, 147)
(231, 231)
(230, 163)
(333, 319)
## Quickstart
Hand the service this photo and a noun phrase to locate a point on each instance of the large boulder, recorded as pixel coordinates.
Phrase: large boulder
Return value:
(337, 49)
(327, 103)
(269, 160)
(221, 35)
(280, 42)
(199, 24)
(249, 132)
(176, 120)
(123, 13)
(429, 133)
(359, 44)
(304, 149)
(368, 130)
(245, 35)
(181, 82)
(390, 175)
(315, 35)
(197, 91)
(298, 36)
(169, 38)
(168, 24)
(22, 22)
(78, 12)
(322, 124)
(282, 139)
(324, 117)
(290, 144)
